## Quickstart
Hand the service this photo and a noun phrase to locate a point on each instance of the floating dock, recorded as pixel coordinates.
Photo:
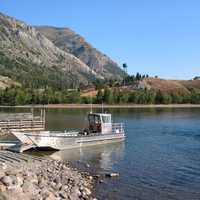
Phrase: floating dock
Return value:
(22, 121)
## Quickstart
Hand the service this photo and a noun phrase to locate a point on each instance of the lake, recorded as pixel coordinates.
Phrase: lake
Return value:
(160, 158)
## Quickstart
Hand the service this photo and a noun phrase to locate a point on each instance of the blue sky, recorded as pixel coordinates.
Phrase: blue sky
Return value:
(156, 37)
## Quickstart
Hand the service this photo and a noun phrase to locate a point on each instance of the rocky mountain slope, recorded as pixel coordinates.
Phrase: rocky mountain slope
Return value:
(71, 42)
(6, 82)
(27, 56)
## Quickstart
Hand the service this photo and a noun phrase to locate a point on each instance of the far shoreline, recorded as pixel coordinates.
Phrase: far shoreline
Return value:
(106, 106)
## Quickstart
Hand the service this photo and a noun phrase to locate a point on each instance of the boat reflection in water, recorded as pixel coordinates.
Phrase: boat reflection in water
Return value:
(96, 159)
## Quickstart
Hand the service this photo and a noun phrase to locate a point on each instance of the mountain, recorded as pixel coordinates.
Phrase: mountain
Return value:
(27, 56)
(73, 43)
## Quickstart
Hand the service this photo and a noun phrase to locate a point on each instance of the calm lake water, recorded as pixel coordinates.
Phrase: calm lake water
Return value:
(160, 159)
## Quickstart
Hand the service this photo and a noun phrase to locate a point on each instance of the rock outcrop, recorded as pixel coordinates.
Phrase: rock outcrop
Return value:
(6, 82)
(71, 42)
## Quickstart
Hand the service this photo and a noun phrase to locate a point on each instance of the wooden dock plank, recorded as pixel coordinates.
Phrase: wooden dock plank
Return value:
(17, 155)
(2, 161)
(23, 157)
(6, 159)
(10, 157)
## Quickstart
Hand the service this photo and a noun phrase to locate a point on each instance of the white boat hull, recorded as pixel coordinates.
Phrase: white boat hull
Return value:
(61, 141)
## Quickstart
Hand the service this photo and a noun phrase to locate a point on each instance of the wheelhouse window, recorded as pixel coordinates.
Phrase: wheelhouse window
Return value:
(97, 119)
(106, 119)
(94, 119)
(91, 119)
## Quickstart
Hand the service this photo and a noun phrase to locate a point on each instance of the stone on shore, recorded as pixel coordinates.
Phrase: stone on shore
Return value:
(44, 180)
(112, 174)
(6, 180)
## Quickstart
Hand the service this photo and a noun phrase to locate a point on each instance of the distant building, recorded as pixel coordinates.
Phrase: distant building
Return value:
(142, 85)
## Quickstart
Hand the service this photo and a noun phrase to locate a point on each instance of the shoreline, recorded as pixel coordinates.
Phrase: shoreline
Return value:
(42, 178)
(107, 106)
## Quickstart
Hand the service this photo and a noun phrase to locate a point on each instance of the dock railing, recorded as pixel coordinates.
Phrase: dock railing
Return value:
(22, 121)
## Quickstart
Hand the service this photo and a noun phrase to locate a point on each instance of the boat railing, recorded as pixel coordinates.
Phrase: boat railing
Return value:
(117, 128)
(113, 127)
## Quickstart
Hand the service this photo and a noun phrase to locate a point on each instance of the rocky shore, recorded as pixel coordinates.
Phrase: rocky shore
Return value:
(45, 179)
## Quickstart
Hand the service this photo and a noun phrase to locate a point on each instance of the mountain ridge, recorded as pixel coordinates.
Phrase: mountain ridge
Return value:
(24, 49)
(69, 41)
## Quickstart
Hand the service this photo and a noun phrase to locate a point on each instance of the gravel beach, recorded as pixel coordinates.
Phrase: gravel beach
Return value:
(45, 179)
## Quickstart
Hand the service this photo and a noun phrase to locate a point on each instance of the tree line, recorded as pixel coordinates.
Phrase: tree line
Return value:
(21, 96)
(146, 96)
(125, 81)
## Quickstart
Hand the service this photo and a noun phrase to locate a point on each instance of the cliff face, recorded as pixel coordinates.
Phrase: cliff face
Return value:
(25, 51)
(50, 56)
(70, 42)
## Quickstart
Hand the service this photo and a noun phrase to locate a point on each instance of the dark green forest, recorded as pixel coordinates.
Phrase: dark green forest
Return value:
(21, 96)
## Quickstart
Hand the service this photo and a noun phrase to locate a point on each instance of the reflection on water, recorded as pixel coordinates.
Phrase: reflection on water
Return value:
(101, 157)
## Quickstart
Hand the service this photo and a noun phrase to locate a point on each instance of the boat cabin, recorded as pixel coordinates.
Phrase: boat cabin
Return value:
(100, 123)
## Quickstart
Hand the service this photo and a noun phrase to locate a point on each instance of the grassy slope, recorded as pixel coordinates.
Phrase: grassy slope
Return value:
(170, 86)
(174, 86)
(182, 87)
(191, 84)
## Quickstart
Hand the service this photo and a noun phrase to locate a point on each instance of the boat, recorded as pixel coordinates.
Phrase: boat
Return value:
(100, 130)
(21, 136)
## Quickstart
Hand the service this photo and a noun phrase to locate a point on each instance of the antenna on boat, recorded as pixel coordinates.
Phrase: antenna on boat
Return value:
(91, 106)
(102, 107)
(32, 116)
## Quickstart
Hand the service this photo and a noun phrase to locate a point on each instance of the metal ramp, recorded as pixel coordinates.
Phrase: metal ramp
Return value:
(15, 146)
(20, 148)
(11, 159)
